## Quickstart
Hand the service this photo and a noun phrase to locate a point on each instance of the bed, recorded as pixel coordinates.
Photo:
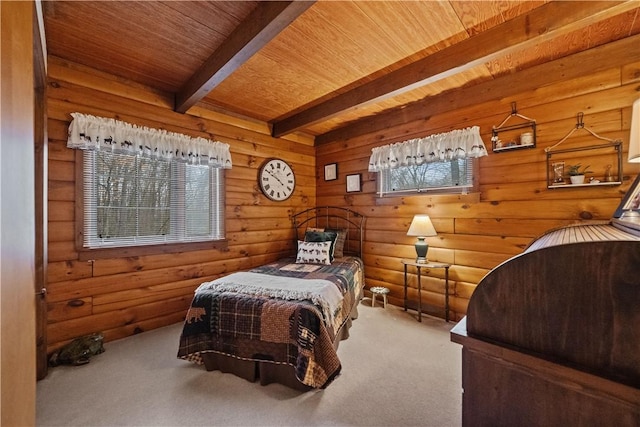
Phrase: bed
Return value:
(282, 322)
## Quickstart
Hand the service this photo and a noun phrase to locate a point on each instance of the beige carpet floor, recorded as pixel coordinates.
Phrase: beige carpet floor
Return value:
(395, 372)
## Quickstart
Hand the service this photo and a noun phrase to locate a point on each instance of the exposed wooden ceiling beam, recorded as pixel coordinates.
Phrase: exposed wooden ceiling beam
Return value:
(266, 21)
(596, 59)
(550, 20)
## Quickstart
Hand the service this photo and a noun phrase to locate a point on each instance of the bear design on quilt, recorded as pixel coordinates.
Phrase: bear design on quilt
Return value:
(195, 314)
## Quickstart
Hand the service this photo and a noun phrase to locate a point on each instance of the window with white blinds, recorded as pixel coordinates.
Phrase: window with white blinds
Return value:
(438, 163)
(131, 200)
(453, 176)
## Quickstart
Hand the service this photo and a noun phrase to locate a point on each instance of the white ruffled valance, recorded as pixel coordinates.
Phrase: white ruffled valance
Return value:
(88, 132)
(457, 144)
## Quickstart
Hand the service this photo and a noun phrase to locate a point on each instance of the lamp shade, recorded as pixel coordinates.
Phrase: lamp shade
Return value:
(421, 226)
(634, 138)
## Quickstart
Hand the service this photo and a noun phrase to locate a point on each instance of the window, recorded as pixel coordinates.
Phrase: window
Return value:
(131, 200)
(442, 163)
(454, 176)
(143, 186)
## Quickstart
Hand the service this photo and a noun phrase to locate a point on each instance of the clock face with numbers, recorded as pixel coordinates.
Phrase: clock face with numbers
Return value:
(277, 180)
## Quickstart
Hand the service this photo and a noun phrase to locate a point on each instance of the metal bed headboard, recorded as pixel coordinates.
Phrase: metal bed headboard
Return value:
(333, 217)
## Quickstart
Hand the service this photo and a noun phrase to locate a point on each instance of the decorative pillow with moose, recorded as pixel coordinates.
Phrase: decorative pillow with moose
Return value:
(322, 236)
(314, 253)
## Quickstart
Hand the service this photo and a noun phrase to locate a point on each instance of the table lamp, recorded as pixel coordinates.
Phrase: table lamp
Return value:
(421, 227)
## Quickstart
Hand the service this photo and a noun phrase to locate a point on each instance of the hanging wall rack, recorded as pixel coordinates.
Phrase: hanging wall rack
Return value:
(513, 137)
(555, 169)
(580, 125)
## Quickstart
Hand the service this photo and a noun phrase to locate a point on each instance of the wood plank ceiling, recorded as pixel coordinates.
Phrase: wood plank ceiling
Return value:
(322, 67)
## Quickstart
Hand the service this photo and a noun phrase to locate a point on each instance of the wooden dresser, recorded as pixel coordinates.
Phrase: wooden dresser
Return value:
(552, 336)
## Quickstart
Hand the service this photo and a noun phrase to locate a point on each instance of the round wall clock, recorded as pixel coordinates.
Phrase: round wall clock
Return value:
(277, 180)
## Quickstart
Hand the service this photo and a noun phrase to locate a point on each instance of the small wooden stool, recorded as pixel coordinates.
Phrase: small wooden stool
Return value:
(379, 290)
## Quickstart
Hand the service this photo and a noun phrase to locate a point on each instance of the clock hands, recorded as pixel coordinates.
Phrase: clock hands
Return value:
(275, 176)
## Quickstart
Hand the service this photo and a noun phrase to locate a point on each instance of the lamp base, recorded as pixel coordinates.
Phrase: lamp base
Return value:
(421, 251)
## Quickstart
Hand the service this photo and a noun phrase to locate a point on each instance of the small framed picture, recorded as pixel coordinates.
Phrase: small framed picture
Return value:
(331, 172)
(353, 183)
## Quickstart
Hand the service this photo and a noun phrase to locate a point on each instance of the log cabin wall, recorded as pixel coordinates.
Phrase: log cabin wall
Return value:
(129, 294)
(125, 295)
(512, 204)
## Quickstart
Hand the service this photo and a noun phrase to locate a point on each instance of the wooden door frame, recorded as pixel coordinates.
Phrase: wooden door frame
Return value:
(41, 185)
(17, 214)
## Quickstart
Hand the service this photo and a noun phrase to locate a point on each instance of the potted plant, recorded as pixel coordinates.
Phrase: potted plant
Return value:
(576, 175)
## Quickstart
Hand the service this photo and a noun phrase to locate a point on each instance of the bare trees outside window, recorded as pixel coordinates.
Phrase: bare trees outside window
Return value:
(455, 176)
(133, 200)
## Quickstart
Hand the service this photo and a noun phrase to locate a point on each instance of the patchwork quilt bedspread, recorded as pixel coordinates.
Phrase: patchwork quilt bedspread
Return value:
(262, 328)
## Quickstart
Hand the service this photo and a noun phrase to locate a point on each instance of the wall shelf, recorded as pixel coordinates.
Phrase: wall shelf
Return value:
(589, 184)
(611, 150)
(514, 137)
(556, 177)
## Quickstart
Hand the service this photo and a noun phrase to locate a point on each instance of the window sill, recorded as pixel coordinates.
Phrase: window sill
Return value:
(472, 197)
(85, 254)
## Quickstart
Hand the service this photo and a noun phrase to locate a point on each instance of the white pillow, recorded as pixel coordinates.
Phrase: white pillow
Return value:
(313, 253)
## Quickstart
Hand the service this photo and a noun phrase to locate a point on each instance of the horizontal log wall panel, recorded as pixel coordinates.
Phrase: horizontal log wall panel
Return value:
(484, 260)
(151, 296)
(68, 270)
(499, 227)
(124, 331)
(97, 285)
(464, 290)
(538, 190)
(62, 190)
(388, 262)
(182, 287)
(458, 305)
(62, 171)
(145, 325)
(61, 231)
(126, 294)
(61, 251)
(70, 309)
(93, 286)
(69, 329)
(111, 266)
(525, 209)
(58, 148)
(512, 204)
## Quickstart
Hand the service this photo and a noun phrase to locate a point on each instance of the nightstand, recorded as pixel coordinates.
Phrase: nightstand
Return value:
(419, 266)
